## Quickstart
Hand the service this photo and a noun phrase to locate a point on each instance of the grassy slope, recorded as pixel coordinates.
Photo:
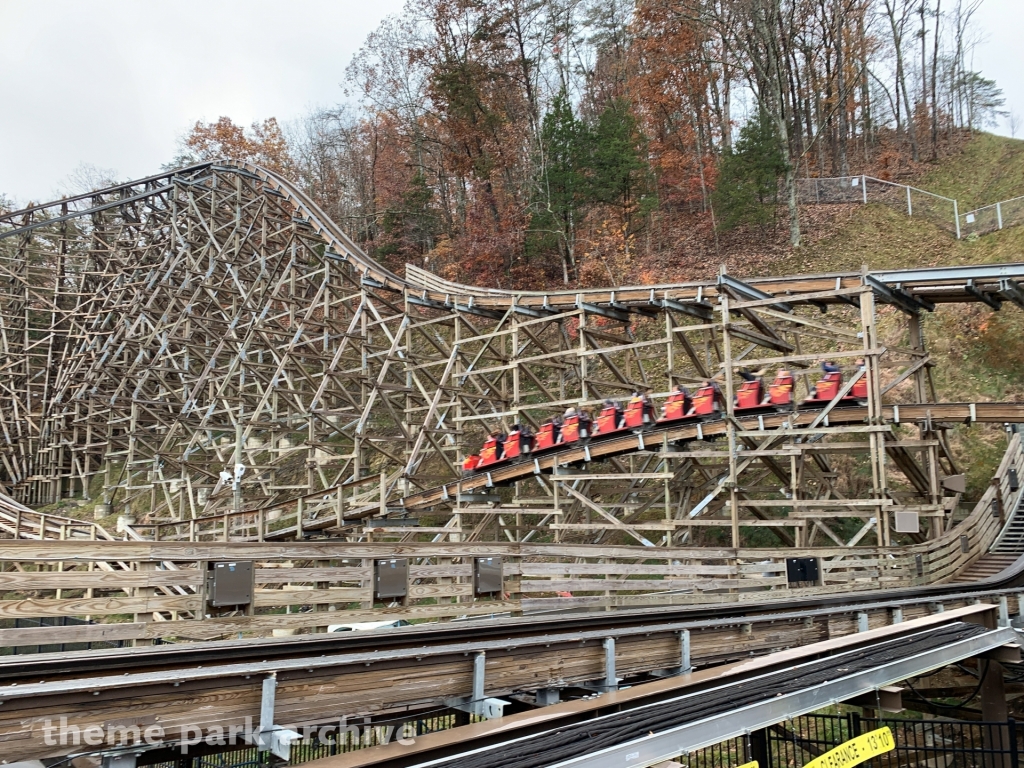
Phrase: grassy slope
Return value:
(979, 352)
(990, 169)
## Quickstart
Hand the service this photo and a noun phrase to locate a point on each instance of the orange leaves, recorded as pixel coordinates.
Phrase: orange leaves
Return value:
(263, 144)
(671, 83)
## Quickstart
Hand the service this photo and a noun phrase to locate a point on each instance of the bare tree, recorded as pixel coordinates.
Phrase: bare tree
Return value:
(898, 14)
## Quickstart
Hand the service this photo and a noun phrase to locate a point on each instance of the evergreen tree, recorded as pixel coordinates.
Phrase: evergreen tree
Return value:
(620, 174)
(748, 179)
(410, 229)
(564, 186)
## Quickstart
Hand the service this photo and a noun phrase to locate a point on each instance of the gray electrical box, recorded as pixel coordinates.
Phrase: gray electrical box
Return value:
(802, 569)
(391, 578)
(229, 584)
(907, 522)
(487, 575)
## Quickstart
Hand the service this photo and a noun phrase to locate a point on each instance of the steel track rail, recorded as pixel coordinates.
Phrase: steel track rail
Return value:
(658, 721)
(411, 642)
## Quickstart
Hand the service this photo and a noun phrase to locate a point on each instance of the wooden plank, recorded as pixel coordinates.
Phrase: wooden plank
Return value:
(97, 606)
(275, 598)
(86, 633)
(33, 580)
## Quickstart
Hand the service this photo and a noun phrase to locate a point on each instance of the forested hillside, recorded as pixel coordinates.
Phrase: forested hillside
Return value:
(525, 143)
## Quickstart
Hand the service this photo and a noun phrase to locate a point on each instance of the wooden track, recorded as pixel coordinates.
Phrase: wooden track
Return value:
(206, 352)
(658, 437)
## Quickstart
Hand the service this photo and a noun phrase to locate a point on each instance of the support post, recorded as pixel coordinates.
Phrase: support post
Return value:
(994, 710)
(545, 697)
(684, 650)
(273, 738)
(611, 682)
(479, 672)
(757, 747)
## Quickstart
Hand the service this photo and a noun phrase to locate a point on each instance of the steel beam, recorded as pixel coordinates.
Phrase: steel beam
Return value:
(898, 297)
(668, 744)
(745, 291)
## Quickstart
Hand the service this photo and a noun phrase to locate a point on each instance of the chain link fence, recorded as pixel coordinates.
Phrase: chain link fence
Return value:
(991, 218)
(913, 202)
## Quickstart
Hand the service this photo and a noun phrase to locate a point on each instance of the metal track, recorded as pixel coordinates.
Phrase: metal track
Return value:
(415, 640)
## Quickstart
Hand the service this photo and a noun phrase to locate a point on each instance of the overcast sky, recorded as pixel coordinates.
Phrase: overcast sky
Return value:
(113, 83)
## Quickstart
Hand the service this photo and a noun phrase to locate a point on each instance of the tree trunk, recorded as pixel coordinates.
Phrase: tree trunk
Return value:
(935, 78)
(841, 98)
(865, 88)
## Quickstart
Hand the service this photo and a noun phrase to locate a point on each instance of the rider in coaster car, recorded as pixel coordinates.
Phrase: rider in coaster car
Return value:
(620, 416)
(678, 389)
(586, 419)
(499, 444)
(648, 402)
(829, 367)
(748, 376)
(782, 373)
(713, 384)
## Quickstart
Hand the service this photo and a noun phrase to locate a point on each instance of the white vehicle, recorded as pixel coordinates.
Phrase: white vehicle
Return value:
(364, 626)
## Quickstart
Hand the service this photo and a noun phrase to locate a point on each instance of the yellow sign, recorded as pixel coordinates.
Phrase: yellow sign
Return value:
(751, 764)
(856, 751)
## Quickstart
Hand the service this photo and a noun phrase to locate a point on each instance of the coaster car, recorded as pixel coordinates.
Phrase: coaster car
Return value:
(495, 451)
(780, 392)
(614, 419)
(829, 385)
(750, 395)
(705, 401)
(571, 429)
(676, 407)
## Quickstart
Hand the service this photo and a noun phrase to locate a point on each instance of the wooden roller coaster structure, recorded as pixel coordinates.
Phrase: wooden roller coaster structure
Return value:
(207, 352)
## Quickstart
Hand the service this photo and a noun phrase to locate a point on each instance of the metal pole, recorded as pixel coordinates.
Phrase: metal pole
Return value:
(684, 648)
(479, 670)
(910, 205)
(956, 218)
(267, 709)
(611, 682)
(999, 214)
(864, 187)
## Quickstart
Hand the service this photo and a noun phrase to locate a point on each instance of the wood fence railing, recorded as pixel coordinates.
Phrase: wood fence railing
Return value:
(142, 590)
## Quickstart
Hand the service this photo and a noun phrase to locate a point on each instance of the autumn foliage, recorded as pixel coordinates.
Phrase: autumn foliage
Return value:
(522, 143)
(263, 144)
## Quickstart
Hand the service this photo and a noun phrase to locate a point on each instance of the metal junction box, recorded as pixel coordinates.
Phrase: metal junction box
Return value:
(487, 576)
(802, 569)
(229, 584)
(907, 522)
(391, 578)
